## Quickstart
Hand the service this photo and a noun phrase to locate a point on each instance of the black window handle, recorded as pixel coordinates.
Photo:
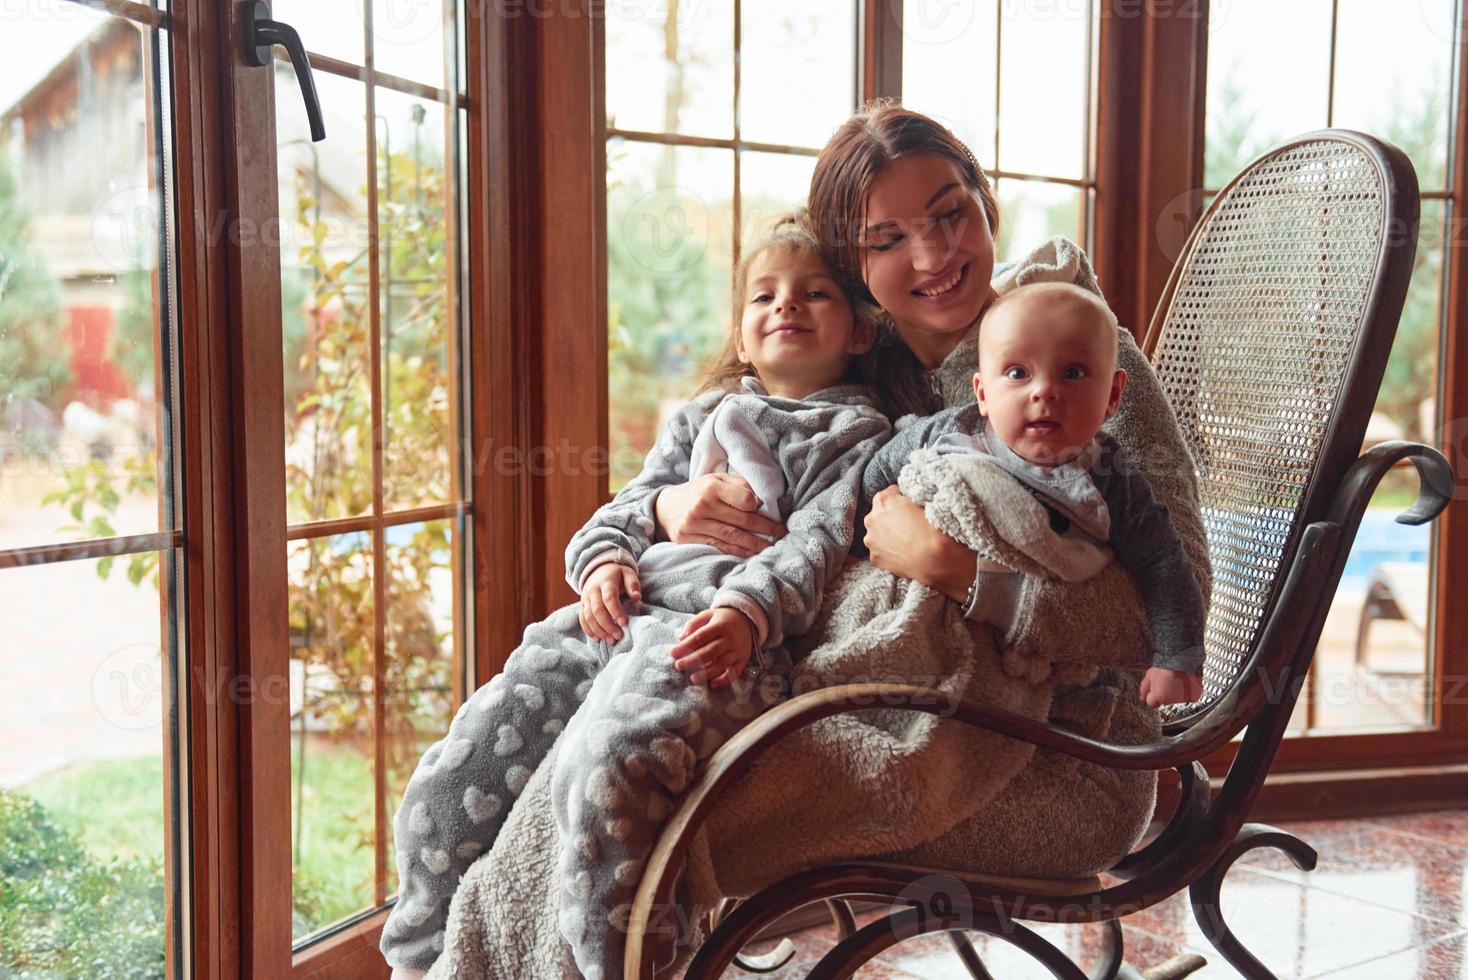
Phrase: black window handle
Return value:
(261, 34)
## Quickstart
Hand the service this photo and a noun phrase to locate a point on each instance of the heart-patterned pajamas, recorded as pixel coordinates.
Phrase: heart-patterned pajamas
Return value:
(642, 728)
(636, 727)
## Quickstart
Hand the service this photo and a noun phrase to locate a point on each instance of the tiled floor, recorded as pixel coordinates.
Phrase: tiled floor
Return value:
(1387, 902)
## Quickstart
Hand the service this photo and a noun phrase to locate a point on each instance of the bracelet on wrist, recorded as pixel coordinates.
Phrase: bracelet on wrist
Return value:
(970, 599)
(757, 663)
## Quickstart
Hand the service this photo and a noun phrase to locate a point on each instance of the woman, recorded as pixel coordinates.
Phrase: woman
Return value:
(909, 219)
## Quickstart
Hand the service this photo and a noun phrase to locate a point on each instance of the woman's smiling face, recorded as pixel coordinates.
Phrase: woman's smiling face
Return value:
(927, 254)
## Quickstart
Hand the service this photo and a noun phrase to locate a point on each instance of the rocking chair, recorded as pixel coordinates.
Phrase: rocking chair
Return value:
(1270, 341)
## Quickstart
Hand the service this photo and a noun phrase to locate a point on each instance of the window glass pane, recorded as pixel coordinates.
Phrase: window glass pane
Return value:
(81, 382)
(1031, 211)
(88, 405)
(1268, 78)
(1044, 96)
(408, 39)
(422, 650)
(333, 822)
(1394, 79)
(670, 67)
(330, 27)
(948, 58)
(668, 269)
(418, 388)
(1372, 667)
(771, 185)
(326, 300)
(796, 54)
(83, 814)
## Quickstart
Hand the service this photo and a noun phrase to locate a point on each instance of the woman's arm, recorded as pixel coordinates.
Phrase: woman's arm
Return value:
(716, 509)
(901, 541)
(907, 545)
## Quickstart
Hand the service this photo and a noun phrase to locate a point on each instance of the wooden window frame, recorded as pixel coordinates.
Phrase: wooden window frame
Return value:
(233, 626)
(536, 141)
(1150, 166)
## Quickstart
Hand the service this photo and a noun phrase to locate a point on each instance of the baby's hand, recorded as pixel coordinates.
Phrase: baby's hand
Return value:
(403, 973)
(716, 643)
(1162, 686)
(601, 600)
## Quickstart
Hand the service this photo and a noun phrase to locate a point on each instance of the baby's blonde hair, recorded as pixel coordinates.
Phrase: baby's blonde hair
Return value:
(1070, 292)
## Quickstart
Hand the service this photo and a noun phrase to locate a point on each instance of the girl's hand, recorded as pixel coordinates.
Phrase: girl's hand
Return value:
(902, 542)
(718, 509)
(602, 617)
(1162, 686)
(715, 644)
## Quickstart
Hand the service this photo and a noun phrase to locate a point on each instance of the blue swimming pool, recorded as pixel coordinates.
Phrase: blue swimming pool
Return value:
(1380, 538)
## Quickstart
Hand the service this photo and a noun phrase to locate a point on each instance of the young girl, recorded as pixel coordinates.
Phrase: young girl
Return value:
(647, 674)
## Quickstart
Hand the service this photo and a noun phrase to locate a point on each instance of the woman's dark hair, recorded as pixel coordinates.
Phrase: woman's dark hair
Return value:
(877, 134)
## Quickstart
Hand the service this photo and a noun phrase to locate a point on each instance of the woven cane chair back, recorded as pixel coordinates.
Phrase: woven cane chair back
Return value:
(1263, 331)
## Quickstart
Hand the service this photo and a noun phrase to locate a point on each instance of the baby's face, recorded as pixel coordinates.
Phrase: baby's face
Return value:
(1047, 375)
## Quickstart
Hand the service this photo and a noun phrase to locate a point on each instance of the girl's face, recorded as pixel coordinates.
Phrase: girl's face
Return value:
(927, 253)
(797, 328)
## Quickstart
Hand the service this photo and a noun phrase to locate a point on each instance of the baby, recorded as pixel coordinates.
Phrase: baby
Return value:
(1047, 379)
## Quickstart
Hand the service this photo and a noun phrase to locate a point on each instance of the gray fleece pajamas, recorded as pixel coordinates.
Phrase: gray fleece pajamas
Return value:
(1100, 497)
(636, 726)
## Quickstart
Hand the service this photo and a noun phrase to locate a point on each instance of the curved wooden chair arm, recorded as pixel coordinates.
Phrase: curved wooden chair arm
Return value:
(1192, 806)
(1434, 476)
(1224, 718)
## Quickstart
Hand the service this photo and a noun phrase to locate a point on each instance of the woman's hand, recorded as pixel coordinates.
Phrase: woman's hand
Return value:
(717, 509)
(902, 542)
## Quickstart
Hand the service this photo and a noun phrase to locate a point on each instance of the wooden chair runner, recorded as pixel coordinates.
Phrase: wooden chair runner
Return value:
(1270, 341)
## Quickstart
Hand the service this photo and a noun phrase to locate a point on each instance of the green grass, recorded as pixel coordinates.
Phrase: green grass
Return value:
(335, 869)
(1394, 500)
(117, 808)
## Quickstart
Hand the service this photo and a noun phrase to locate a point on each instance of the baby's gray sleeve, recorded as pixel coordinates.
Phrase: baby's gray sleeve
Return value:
(887, 463)
(628, 522)
(1147, 546)
(788, 579)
